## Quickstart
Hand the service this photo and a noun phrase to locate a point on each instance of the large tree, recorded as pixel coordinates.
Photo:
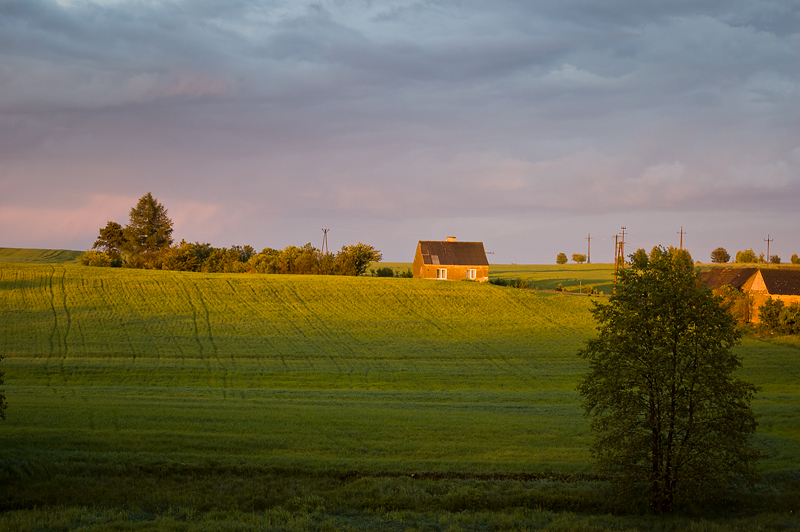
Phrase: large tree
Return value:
(671, 418)
(149, 229)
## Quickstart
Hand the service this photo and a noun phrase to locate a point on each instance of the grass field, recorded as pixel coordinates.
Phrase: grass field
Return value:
(572, 277)
(149, 400)
(40, 256)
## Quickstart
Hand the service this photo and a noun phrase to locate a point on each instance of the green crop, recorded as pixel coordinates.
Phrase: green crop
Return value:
(118, 377)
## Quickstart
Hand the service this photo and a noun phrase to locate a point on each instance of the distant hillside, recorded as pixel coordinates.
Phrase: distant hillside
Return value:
(40, 256)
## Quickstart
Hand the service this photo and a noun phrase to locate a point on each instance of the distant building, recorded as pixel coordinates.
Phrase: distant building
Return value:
(779, 284)
(451, 260)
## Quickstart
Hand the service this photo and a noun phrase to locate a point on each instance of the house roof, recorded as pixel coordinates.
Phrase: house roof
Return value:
(782, 282)
(453, 253)
(719, 277)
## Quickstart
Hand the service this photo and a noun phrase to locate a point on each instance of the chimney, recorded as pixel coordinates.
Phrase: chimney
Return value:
(451, 239)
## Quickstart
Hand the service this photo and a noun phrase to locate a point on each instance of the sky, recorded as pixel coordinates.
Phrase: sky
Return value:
(527, 125)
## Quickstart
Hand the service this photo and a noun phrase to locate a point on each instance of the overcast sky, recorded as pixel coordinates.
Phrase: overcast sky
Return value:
(527, 125)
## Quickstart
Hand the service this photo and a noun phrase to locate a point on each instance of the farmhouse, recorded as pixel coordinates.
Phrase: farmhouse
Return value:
(451, 260)
(761, 284)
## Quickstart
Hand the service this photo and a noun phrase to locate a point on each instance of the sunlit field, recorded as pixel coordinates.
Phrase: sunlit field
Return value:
(169, 400)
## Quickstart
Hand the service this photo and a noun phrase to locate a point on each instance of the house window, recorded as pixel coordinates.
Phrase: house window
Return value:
(441, 273)
(471, 273)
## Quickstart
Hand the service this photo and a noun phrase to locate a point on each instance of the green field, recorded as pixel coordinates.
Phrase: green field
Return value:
(166, 400)
(572, 277)
(40, 256)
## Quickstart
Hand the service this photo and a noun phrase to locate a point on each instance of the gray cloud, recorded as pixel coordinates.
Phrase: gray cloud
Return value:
(253, 112)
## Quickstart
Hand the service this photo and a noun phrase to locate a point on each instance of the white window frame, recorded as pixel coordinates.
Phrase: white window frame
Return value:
(472, 273)
(441, 273)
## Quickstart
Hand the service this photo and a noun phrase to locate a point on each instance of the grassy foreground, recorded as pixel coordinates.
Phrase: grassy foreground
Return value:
(149, 400)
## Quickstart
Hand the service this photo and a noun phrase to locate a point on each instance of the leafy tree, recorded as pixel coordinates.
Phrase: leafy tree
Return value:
(774, 259)
(720, 255)
(111, 238)
(354, 260)
(672, 421)
(640, 257)
(746, 256)
(561, 258)
(579, 258)
(795, 259)
(738, 303)
(149, 229)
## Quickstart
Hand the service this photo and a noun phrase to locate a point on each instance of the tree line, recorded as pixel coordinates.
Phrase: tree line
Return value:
(146, 242)
(748, 256)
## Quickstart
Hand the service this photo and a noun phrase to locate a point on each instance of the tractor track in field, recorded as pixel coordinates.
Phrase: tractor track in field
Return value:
(55, 333)
(185, 290)
(491, 352)
(66, 309)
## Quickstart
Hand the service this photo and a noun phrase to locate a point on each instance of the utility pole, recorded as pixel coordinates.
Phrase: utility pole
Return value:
(768, 240)
(622, 249)
(682, 233)
(589, 249)
(616, 260)
(324, 248)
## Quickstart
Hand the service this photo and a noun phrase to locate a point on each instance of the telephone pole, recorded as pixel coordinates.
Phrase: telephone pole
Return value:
(622, 249)
(616, 261)
(682, 233)
(589, 249)
(768, 240)
(324, 248)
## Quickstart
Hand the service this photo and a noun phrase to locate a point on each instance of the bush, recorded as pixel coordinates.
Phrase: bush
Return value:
(739, 303)
(101, 258)
(746, 256)
(795, 259)
(384, 272)
(561, 258)
(511, 283)
(769, 314)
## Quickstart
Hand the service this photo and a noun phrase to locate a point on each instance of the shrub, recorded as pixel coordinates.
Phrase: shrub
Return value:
(746, 256)
(102, 259)
(561, 258)
(769, 314)
(511, 283)
(384, 272)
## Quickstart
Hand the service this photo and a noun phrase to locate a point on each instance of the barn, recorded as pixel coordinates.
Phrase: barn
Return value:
(451, 260)
(780, 284)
